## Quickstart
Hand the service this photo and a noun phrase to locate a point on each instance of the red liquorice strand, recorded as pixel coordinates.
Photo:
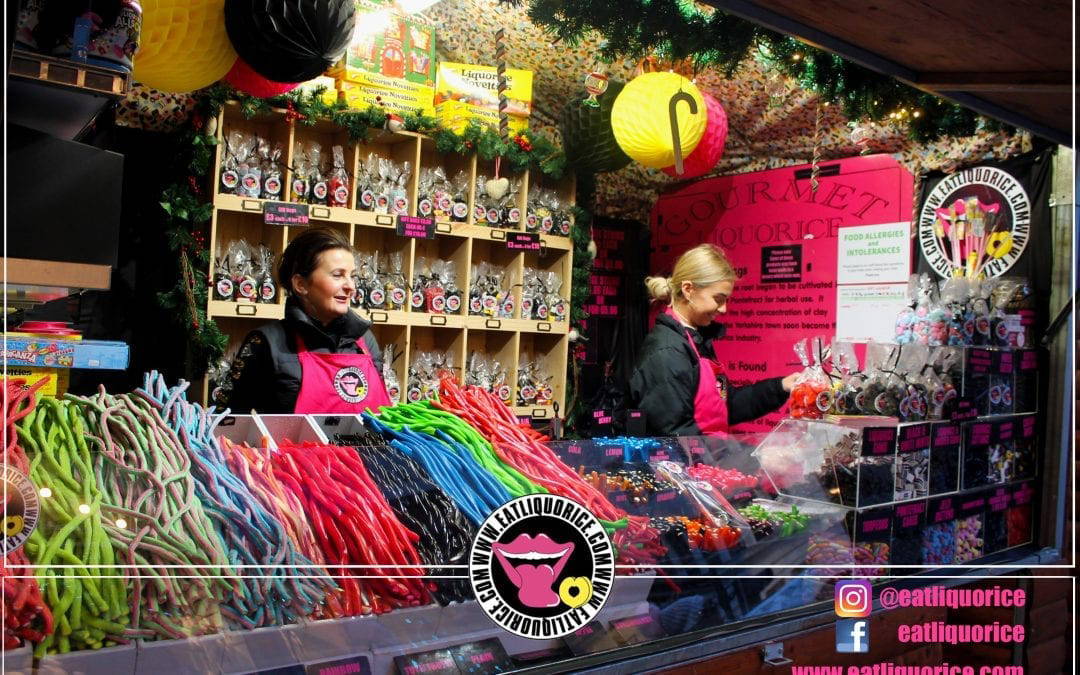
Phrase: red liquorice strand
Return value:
(354, 525)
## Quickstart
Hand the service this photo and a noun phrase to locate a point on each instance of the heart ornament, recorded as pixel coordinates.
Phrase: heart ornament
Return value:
(497, 188)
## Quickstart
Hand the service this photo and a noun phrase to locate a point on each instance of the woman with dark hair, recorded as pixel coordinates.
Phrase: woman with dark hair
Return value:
(322, 357)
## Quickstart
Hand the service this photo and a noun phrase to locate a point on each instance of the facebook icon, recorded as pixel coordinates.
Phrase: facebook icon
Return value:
(852, 636)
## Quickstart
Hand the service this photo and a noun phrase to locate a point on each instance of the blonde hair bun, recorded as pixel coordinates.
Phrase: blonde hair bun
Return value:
(659, 288)
(703, 265)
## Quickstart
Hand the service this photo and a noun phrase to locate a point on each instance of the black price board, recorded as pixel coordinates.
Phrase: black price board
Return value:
(416, 227)
(589, 639)
(522, 241)
(482, 658)
(434, 662)
(635, 629)
(285, 213)
(349, 665)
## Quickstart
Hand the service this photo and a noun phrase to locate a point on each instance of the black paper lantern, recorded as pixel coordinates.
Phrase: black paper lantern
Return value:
(290, 40)
(588, 141)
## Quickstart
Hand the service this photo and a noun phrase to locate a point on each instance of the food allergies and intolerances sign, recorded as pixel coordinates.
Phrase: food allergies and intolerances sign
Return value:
(873, 264)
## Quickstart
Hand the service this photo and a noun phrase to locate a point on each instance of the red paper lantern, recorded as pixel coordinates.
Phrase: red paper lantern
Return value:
(243, 77)
(711, 146)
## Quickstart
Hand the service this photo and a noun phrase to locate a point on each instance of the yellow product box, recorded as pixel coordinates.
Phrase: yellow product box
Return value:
(466, 92)
(56, 379)
(362, 89)
(329, 96)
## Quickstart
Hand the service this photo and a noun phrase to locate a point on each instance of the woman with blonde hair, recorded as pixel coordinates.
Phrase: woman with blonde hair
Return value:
(677, 382)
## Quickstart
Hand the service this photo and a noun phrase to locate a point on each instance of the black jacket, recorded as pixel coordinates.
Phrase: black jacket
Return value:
(266, 371)
(665, 381)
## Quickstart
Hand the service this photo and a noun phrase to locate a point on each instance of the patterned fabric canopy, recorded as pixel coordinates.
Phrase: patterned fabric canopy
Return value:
(772, 121)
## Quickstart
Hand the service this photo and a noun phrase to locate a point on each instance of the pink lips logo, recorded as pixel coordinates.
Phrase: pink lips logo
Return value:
(528, 564)
(541, 566)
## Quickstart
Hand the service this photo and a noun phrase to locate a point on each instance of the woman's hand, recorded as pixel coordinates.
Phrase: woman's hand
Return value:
(789, 382)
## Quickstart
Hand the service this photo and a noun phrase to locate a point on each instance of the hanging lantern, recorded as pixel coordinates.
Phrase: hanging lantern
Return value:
(183, 45)
(589, 143)
(711, 146)
(290, 40)
(243, 77)
(642, 121)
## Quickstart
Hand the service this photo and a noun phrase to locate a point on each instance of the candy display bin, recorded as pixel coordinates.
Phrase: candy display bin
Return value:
(118, 660)
(827, 462)
(19, 661)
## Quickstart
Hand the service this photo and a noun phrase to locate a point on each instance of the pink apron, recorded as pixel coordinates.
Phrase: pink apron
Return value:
(710, 401)
(339, 383)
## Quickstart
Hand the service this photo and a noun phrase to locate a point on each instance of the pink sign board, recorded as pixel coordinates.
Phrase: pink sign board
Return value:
(781, 236)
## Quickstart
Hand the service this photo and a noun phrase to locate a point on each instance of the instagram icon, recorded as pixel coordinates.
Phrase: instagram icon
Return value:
(852, 598)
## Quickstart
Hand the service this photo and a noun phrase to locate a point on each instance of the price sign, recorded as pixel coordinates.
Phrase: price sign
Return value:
(285, 213)
(522, 241)
(416, 227)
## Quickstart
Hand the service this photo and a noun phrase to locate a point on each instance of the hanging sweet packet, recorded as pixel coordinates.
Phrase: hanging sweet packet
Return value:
(339, 179)
(320, 189)
(399, 191)
(377, 293)
(224, 288)
(425, 194)
(273, 182)
(249, 168)
(510, 206)
(435, 288)
(442, 195)
(506, 294)
(557, 304)
(460, 188)
(532, 210)
(811, 397)
(480, 201)
(366, 183)
(417, 298)
(530, 288)
(267, 287)
(390, 377)
(397, 291)
(230, 174)
(247, 288)
(453, 293)
(301, 175)
(905, 320)
(362, 278)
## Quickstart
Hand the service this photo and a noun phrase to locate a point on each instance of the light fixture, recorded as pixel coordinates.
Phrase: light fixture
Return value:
(84, 509)
(45, 493)
(121, 523)
(796, 56)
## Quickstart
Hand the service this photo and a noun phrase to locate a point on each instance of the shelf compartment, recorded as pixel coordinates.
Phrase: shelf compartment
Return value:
(496, 254)
(501, 346)
(371, 240)
(396, 336)
(229, 226)
(270, 126)
(328, 136)
(451, 249)
(398, 148)
(550, 352)
(442, 340)
(482, 205)
(452, 165)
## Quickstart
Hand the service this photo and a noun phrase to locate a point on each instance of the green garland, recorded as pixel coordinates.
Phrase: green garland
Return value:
(521, 151)
(187, 218)
(580, 236)
(678, 30)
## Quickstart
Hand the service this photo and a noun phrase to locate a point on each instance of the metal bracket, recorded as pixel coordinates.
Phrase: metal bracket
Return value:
(773, 654)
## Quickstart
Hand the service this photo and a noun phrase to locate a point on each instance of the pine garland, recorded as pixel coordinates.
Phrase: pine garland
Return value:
(187, 217)
(523, 150)
(678, 30)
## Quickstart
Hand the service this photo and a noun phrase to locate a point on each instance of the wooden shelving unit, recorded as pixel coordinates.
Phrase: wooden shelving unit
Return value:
(464, 243)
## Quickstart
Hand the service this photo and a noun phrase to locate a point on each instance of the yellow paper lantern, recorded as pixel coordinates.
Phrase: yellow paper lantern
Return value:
(641, 120)
(183, 45)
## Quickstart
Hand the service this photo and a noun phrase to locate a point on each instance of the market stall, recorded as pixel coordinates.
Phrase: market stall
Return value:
(499, 513)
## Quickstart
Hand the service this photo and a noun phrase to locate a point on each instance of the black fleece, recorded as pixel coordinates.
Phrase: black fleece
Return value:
(266, 371)
(665, 381)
